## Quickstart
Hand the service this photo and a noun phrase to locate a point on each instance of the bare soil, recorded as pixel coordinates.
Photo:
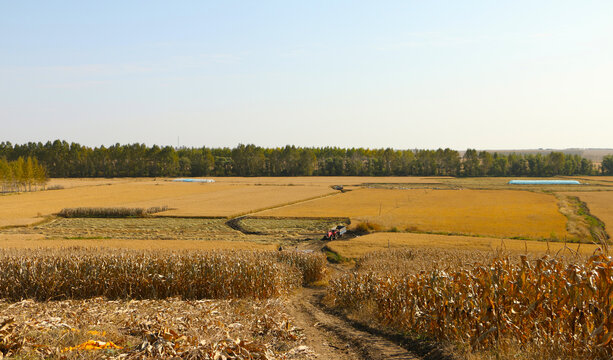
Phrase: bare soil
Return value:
(332, 337)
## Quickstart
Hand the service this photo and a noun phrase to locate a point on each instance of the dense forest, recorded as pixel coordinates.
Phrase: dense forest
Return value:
(62, 159)
(21, 175)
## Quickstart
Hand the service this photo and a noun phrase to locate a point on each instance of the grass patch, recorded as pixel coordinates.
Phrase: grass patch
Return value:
(596, 226)
(333, 256)
(581, 225)
(87, 238)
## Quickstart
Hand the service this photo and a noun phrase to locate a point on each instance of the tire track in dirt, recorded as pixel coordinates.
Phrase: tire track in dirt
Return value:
(331, 337)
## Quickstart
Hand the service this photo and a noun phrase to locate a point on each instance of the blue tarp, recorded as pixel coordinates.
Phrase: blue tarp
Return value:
(544, 182)
(196, 180)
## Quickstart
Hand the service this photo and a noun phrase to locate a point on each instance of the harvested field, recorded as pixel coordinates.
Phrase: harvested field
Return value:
(140, 329)
(138, 229)
(362, 245)
(600, 205)
(474, 212)
(184, 199)
(287, 227)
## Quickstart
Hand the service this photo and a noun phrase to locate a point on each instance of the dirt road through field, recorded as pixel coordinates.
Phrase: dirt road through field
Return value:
(331, 337)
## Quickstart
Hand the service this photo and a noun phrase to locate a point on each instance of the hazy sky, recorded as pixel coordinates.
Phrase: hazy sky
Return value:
(402, 74)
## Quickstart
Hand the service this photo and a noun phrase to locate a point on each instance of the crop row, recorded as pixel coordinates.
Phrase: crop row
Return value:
(556, 307)
(82, 274)
(112, 212)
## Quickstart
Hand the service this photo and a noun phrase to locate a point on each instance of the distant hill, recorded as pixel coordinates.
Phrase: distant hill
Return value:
(595, 155)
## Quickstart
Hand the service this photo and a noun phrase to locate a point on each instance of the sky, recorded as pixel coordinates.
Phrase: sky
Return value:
(401, 74)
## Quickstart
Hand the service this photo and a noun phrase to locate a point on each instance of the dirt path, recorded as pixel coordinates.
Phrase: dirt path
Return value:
(333, 338)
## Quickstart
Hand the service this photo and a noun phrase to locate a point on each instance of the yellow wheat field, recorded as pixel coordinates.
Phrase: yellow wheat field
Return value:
(600, 204)
(184, 199)
(500, 213)
(362, 245)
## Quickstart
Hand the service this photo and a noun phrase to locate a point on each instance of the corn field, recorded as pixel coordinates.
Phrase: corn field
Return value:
(114, 212)
(554, 306)
(122, 274)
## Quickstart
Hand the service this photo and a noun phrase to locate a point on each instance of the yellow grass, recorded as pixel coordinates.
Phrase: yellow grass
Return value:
(595, 178)
(329, 180)
(37, 241)
(499, 213)
(357, 247)
(78, 182)
(600, 204)
(189, 199)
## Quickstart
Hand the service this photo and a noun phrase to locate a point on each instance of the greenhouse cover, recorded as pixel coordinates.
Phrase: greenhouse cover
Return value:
(196, 180)
(544, 182)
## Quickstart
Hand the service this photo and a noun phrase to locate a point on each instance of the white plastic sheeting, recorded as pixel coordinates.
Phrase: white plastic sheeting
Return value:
(195, 180)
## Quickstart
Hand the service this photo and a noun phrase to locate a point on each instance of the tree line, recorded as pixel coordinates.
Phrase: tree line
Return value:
(62, 159)
(21, 174)
(607, 165)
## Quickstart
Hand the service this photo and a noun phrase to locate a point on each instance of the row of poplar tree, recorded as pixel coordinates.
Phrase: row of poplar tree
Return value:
(22, 175)
(62, 159)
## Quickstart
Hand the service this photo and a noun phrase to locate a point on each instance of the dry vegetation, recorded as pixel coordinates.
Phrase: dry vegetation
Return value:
(139, 229)
(362, 245)
(141, 315)
(37, 241)
(86, 273)
(146, 329)
(509, 307)
(115, 212)
(475, 212)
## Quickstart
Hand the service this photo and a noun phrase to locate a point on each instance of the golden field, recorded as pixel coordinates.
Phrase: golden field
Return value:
(78, 182)
(184, 199)
(600, 204)
(329, 180)
(500, 213)
(362, 245)
(38, 241)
